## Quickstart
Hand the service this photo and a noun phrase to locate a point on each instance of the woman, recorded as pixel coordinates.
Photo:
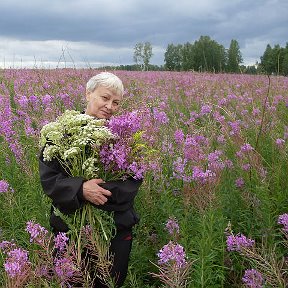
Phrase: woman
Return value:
(104, 93)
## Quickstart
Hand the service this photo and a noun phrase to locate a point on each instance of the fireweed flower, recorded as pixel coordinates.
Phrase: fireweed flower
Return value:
(256, 111)
(172, 253)
(64, 268)
(6, 246)
(253, 279)
(246, 147)
(239, 183)
(280, 142)
(60, 241)
(37, 232)
(205, 109)
(246, 167)
(16, 263)
(172, 226)
(179, 136)
(202, 176)
(4, 187)
(238, 242)
(126, 124)
(47, 100)
(283, 220)
(215, 162)
(179, 168)
(235, 127)
(23, 101)
(221, 139)
(160, 116)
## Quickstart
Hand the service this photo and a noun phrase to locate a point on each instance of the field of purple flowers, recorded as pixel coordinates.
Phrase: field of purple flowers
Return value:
(213, 203)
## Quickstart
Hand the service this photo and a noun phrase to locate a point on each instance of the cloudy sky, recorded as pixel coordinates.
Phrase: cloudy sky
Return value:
(91, 33)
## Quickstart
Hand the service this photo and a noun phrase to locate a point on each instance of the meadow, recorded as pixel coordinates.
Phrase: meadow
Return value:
(218, 187)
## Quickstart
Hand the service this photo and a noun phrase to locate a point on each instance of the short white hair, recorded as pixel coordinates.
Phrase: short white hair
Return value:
(105, 79)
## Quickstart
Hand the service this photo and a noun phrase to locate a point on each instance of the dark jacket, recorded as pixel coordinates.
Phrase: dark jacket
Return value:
(66, 193)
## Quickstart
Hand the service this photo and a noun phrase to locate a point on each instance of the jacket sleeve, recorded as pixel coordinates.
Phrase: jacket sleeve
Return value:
(123, 194)
(66, 192)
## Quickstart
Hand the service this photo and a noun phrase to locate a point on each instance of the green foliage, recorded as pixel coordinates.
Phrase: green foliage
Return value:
(275, 60)
(143, 54)
(234, 57)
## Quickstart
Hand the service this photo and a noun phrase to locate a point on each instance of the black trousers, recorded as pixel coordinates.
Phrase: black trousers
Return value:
(120, 248)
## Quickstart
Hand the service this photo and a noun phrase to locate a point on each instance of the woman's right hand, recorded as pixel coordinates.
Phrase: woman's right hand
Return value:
(95, 194)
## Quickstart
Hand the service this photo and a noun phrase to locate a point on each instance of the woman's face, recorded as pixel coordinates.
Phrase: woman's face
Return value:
(102, 103)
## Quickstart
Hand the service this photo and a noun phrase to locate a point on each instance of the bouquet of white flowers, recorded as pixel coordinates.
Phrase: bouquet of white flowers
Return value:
(74, 140)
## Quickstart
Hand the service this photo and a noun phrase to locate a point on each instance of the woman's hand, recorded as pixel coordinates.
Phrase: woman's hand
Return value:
(95, 194)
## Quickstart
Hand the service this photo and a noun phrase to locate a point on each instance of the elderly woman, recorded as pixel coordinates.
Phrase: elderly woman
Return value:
(104, 93)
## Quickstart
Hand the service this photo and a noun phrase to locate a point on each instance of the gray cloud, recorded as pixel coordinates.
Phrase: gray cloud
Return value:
(105, 31)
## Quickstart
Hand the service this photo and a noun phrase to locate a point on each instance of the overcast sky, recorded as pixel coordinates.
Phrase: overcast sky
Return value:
(98, 32)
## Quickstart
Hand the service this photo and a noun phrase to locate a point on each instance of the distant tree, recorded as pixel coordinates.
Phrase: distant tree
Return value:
(138, 53)
(147, 54)
(267, 60)
(188, 57)
(142, 54)
(285, 61)
(208, 55)
(173, 57)
(234, 57)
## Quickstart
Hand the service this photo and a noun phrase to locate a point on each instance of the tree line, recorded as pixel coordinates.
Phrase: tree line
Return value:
(207, 55)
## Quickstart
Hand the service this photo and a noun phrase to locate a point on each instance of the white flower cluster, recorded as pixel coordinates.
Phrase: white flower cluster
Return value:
(75, 138)
(90, 168)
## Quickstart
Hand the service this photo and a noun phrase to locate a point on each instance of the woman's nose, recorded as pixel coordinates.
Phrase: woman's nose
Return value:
(108, 105)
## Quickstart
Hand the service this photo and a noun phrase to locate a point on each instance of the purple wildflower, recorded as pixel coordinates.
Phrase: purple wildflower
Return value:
(64, 268)
(179, 168)
(137, 170)
(246, 167)
(172, 226)
(60, 241)
(235, 127)
(283, 220)
(221, 139)
(23, 101)
(4, 186)
(246, 147)
(43, 271)
(37, 232)
(253, 279)
(256, 111)
(172, 252)
(280, 142)
(238, 242)
(200, 176)
(239, 183)
(6, 246)
(160, 116)
(16, 263)
(215, 163)
(205, 109)
(179, 136)
(126, 124)
(47, 99)
(124, 157)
